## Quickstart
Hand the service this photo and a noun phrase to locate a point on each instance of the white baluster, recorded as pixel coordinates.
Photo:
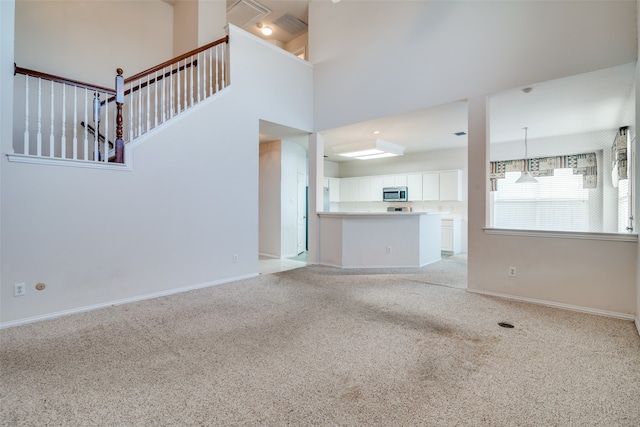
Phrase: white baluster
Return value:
(217, 67)
(85, 142)
(139, 107)
(164, 97)
(155, 99)
(131, 98)
(186, 92)
(171, 90)
(51, 137)
(75, 122)
(63, 129)
(204, 70)
(224, 63)
(96, 129)
(106, 128)
(39, 131)
(211, 71)
(148, 105)
(191, 80)
(26, 115)
(178, 86)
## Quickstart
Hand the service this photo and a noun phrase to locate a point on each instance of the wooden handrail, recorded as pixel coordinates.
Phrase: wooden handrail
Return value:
(176, 59)
(152, 81)
(27, 72)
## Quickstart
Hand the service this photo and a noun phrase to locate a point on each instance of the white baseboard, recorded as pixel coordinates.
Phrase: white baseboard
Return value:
(122, 301)
(637, 322)
(578, 308)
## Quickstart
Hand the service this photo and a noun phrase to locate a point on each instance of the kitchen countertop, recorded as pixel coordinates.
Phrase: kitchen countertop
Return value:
(337, 214)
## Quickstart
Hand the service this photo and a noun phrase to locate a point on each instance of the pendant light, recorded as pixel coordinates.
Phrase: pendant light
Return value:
(525, 177)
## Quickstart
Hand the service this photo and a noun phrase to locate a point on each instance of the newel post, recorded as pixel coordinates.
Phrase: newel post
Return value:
(119, 103)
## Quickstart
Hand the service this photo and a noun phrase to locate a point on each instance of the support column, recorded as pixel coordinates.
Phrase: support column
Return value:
(316, 178)
(478, 176)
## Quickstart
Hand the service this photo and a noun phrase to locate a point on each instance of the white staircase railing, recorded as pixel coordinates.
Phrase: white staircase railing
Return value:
(162, 92)
(68, 119)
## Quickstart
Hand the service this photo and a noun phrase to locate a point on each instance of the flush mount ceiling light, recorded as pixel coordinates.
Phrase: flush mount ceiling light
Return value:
(525, 177)
(369, 149)
(267, 31)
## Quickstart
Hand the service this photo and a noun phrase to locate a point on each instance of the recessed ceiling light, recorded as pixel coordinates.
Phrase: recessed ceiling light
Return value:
(375, 132)
(267, 31)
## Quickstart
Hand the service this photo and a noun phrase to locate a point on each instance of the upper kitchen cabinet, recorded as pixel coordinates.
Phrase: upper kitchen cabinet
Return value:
(334, 189)
(377, 184)
(414, 187)
(431, 186)
(451, 185)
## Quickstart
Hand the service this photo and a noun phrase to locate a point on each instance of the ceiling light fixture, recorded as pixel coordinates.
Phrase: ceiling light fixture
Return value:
(526, 176)
(267, 31)
(369, 149)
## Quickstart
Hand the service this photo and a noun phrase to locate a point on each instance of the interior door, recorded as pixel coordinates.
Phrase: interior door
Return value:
(302, 212)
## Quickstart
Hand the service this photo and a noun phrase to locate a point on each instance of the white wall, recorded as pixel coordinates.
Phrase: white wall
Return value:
(97, 237)
(185, 26)
(7, 13)
(405, 56)
(269, 195)
(87, 41)
(196, 23)
(633, 134)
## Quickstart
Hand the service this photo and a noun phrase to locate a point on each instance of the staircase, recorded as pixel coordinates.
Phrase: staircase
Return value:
(64, 120)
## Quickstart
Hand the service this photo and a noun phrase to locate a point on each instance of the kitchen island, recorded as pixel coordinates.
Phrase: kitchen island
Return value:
(379, 239)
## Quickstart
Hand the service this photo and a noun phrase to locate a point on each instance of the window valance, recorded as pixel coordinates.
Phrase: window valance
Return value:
(584, 164)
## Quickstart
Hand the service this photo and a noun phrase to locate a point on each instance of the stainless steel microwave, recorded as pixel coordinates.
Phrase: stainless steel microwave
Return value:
(394, 194)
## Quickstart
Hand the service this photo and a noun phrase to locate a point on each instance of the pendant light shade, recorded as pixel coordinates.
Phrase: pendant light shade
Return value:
(526, 176)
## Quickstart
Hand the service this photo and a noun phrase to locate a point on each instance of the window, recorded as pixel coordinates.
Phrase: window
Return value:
(556, 203)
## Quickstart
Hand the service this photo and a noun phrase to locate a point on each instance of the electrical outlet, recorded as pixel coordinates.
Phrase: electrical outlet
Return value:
(19, 290)
(388, 249)
(235, 258)
(512, 272)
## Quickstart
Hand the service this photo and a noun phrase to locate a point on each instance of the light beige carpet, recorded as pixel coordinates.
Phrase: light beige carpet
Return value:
(326, 347)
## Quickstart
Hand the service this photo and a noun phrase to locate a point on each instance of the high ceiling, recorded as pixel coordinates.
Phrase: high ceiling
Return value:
(583, 103)
(576, 104)
(281, 16)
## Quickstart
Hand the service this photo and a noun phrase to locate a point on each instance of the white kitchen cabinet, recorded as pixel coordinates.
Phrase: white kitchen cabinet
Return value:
(451, 185)
(389, 181)
(377, 184)
(354, 190)
(414, 187)
(431, 186)
(394, 180)
(334, 189)
(344, 190)
(451, 235)
(364, 189)
(400, 180)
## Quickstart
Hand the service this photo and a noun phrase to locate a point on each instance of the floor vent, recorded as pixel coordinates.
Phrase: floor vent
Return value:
(505, 325)
(246, 12)
(290, 23)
